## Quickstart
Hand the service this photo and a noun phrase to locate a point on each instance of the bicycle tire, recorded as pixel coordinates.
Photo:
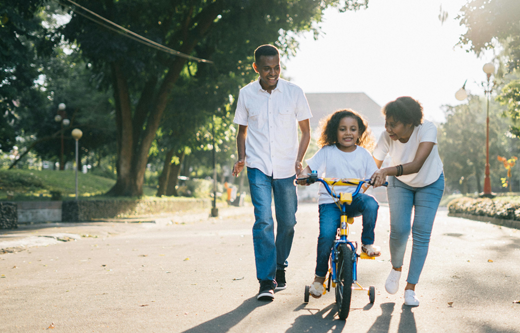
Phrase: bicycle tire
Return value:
(345, 279)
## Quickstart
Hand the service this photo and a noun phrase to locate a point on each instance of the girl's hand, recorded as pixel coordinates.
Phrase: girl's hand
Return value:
(379, 178)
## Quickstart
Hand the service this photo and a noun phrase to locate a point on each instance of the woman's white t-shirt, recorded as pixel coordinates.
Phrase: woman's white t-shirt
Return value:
(331, 162)
(401, 153)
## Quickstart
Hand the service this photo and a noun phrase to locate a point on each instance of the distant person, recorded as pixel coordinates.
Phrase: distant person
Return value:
(415, 183)
(343, 154)
(269, 111)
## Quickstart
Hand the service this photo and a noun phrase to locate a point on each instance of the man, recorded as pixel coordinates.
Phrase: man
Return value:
(268, 112)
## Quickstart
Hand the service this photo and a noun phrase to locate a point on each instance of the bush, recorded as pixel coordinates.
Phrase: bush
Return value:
(485, 207)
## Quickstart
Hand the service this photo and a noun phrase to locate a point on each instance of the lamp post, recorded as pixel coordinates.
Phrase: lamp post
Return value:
(61, 117)
(461, 94)
(214, 209)
(76, 134)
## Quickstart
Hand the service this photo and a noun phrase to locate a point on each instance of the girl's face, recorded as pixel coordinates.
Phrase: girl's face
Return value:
(348, 134)
(397, 130)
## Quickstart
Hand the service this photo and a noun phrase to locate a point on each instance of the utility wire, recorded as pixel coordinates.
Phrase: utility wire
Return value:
(127, 33)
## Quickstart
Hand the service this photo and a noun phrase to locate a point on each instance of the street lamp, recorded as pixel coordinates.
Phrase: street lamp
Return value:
(76, 134)
(460, 95)
(61, 117)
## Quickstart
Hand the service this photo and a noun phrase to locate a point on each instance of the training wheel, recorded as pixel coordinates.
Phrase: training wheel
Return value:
(372, 294)
(306, 295)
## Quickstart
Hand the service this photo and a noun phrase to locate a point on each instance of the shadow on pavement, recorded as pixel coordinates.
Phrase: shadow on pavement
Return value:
(227, 321)
(382, 323)
(316, 321)
(407, 322)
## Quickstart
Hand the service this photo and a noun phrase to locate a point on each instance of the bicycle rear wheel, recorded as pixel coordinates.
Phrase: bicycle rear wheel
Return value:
(345, 279)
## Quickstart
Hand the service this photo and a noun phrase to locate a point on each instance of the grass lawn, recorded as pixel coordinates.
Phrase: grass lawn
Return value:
(27, 185)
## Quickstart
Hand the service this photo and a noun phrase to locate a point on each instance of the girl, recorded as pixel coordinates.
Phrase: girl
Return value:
(344, 141)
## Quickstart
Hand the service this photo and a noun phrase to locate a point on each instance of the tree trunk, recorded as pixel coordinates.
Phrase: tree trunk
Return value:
(165, 174)
(477, 178)
(175, 170)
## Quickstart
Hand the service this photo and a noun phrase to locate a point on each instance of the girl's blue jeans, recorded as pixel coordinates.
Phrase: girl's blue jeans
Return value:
(270, 253)
(330, 219)
(424, 201)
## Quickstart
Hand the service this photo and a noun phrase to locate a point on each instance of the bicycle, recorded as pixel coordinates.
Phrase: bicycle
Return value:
(342, 273)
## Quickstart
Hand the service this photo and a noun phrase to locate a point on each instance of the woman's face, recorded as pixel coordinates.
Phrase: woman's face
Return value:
(348, 134)
(397, 130)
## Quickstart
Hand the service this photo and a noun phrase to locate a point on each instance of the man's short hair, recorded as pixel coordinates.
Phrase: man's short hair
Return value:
(265, 50)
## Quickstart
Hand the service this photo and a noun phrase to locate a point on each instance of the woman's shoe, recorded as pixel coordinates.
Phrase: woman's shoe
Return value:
(316, 290)
(392, 281)
(410, 299)
(371, 250)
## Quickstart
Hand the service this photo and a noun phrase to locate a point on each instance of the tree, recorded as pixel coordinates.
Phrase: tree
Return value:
(144, 79)
(23, 39)
(462, 140)
(491, 23)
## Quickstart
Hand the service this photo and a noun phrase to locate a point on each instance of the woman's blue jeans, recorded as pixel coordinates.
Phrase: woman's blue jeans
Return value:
(330, 218)
(270, 253)
(424, 201)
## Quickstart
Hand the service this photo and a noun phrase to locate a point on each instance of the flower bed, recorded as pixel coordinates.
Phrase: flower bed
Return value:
(485, 207)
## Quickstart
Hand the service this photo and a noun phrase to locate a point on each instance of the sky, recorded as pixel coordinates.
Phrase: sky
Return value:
(394, 48)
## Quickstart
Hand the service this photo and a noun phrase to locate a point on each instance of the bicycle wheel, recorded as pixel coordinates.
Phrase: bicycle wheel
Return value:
(344, 285)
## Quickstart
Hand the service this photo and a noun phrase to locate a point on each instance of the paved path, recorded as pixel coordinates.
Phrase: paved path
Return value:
(195, 275)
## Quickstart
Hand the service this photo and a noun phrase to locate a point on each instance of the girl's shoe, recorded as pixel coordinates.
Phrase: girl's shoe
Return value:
(392, 281)
(410, 299)
(316, 290)
(371, 250)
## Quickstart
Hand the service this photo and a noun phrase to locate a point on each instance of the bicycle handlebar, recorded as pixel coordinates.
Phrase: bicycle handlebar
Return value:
(313, 178)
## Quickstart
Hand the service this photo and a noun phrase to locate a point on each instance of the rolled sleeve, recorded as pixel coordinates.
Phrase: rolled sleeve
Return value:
(303, 111)
(382, 147)
(241, 114)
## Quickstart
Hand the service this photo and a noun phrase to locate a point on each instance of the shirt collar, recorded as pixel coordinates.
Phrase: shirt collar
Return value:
(279, 85)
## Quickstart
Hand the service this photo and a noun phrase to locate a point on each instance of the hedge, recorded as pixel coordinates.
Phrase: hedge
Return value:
(485, 207)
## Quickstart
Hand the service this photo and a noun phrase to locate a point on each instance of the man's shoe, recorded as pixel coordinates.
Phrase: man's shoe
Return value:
(280, 279)
(266, 292)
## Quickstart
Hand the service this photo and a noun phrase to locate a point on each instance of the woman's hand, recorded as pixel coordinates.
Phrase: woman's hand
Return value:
(379, 177)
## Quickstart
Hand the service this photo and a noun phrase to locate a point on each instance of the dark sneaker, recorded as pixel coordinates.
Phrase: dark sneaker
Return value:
(280, 279)
(266, 292)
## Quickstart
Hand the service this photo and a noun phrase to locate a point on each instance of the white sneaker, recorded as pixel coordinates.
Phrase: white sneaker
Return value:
(392, 281)
(410, 298)
(316, 289)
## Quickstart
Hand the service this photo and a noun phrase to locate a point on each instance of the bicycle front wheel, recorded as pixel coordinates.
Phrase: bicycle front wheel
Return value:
(344, 267)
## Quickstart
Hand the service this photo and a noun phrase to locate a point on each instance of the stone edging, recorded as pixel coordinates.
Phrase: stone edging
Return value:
(502, 222)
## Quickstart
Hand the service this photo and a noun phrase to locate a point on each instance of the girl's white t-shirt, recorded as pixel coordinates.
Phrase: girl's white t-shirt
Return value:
(331, 162)
(401, 153)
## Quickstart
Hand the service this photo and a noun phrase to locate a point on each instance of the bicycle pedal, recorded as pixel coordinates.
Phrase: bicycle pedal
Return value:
(363, 255)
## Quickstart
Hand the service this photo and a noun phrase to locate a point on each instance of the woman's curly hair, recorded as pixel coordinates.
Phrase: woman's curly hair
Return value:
(330, 125)
(405, 110)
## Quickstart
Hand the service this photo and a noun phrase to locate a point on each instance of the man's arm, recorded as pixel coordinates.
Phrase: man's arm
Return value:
(305, 128)
(241, 150)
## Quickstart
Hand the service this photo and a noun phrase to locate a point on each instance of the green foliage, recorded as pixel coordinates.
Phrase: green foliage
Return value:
(23, 39)
(510, 97)
(462, 145)
(30, 184)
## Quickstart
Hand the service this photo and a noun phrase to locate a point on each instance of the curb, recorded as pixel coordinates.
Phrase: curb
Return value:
(502, 222)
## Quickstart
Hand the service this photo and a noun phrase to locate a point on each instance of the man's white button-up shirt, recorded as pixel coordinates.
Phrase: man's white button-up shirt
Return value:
(272, 126)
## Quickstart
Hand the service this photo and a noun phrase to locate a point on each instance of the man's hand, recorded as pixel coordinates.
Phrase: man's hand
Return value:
(298, 167)
(238, 167)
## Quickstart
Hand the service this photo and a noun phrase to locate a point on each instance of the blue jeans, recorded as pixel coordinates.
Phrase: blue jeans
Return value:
(270, 253)
(330, 219)
(425, 201)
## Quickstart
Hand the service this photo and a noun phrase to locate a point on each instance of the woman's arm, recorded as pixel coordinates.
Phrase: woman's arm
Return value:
(424, 150)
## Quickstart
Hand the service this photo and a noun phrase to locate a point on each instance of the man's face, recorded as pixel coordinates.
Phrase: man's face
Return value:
(268, 67)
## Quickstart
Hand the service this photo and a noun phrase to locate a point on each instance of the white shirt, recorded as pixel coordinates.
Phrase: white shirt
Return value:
(331, 162)
(272, 126)
(401, 153)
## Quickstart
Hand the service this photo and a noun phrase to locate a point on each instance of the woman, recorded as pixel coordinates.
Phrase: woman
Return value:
(416, 183)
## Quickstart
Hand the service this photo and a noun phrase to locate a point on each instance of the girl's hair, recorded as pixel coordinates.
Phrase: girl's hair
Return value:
(405, 110)
(329, 133)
